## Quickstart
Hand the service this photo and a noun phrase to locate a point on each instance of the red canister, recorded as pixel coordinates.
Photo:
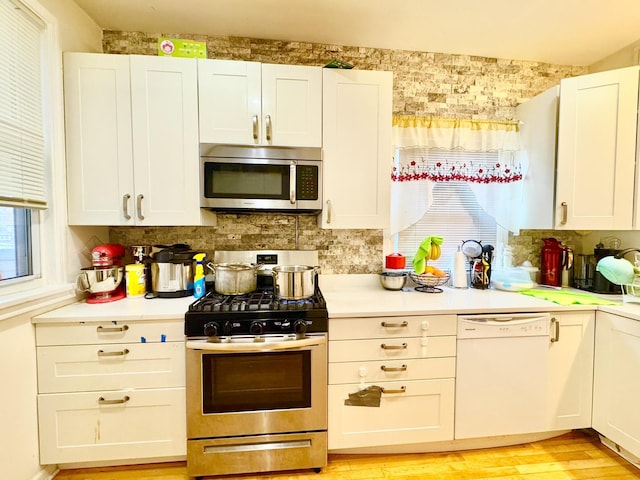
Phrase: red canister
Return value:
(395, 261)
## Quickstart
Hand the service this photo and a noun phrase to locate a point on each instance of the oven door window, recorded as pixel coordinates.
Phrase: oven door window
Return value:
(256, 381)
(242, 180)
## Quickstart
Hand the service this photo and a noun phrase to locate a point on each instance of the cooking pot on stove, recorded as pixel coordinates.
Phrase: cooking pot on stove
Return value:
(294, 282)
(235, 278)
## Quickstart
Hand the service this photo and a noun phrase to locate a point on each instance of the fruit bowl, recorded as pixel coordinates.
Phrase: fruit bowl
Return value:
(429, 283)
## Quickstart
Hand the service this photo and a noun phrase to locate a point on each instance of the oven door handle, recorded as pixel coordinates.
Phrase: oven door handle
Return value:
(256, 346)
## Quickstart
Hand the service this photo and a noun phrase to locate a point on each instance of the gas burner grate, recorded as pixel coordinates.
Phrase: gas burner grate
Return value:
(259, 300)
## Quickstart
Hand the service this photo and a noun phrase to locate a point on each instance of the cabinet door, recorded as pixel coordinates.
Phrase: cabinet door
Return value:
(596, 150)
(356, 116)
(616, 388)
(98, 139)
(164, 93)
(291, 105)
(411, 412)
(229, 101)
(112, 425)
(571, 370)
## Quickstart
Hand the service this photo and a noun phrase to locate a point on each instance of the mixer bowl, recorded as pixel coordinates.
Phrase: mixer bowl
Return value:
(98, 280)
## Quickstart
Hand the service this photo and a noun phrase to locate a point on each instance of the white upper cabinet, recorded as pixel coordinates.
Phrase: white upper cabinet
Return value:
(597, 151)
(132, 140)
(249, 103)
(538, 129)
(357, 107)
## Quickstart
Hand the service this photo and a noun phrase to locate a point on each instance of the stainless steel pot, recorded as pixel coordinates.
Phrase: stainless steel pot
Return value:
(97, 280)
(294, 282)
(235, 278)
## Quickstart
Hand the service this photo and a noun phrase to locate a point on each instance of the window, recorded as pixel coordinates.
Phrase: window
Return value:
(22, 140)
(453, 211)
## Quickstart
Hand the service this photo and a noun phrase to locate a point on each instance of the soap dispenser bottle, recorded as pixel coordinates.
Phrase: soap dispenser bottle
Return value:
(198, 277)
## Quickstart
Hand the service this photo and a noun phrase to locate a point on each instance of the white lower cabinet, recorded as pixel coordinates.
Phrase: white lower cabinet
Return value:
(111, 391)
(570, 370)
(616, 390)
(412, 359)
(111, 425)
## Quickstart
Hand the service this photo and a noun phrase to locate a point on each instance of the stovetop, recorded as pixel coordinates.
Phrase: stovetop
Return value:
(261, 300)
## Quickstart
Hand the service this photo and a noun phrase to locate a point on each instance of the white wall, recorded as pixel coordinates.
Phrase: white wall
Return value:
(19, 453)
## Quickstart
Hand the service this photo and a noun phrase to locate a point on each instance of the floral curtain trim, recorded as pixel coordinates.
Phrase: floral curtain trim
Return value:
(460, 171)
(452, 134)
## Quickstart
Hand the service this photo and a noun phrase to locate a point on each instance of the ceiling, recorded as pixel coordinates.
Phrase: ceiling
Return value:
(565, 32)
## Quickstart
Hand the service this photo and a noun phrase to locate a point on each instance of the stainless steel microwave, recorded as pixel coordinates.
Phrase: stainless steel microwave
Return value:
(236, 178)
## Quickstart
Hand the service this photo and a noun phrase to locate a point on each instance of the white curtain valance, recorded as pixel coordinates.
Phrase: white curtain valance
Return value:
(483, 153)
(454, 134)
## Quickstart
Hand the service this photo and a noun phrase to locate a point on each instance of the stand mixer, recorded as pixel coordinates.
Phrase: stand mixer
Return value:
(103, 280)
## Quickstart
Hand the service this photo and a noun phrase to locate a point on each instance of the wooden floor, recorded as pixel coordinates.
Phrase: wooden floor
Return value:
(576, 455)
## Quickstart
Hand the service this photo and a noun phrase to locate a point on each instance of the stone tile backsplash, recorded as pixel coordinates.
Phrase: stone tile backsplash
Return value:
(425, 84)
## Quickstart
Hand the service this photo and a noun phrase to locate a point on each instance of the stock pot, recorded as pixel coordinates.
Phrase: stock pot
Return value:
(294, 282)
(235, 278)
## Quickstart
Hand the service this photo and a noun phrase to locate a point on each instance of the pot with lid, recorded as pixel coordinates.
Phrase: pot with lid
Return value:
(172, 271)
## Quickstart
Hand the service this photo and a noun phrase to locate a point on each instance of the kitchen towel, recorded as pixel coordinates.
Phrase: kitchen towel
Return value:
(459, 279)
(568, 298)
(424, 250)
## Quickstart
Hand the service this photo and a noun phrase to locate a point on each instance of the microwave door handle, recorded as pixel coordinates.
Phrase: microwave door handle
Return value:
(292, 183)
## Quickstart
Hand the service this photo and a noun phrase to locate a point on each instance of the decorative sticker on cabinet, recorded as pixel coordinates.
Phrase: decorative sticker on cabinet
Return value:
(175, 47)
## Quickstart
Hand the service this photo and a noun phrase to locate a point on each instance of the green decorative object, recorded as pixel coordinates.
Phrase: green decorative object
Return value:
(338, 64)
(176, 47)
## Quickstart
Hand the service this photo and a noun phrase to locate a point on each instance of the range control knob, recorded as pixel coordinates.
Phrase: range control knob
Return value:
(256, 328)
(300, 327)
(226, 328)
(211, 329)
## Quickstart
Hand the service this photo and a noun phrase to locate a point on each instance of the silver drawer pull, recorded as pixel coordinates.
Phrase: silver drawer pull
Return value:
(402, 389)
(395, 325)
(384, 346)
(102, 353)
(102, 329)
(103, 401)
(384, 368)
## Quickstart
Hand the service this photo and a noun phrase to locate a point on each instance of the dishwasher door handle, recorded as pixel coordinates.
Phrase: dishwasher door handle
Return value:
(503, 320)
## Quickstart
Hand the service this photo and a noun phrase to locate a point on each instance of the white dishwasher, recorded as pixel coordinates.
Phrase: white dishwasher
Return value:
(501, 378)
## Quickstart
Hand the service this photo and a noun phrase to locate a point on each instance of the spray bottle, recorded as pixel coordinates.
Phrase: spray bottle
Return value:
(198, 277)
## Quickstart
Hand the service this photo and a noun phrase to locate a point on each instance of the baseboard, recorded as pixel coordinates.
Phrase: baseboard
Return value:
(47, 473)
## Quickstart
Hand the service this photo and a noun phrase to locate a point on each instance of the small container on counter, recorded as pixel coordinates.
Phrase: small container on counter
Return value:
(135, 280)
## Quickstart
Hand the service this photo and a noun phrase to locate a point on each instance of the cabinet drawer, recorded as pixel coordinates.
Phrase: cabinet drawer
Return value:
(394, 370)
(393, 348)
(385, 327)
(422, 413)
(76, 427)
(109, 332)
(110, 367)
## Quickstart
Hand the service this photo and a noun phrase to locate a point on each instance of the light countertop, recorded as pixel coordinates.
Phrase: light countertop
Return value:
(354, 295)
(362, 295)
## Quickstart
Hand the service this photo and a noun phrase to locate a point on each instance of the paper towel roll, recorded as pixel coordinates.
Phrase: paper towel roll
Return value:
(459, 270)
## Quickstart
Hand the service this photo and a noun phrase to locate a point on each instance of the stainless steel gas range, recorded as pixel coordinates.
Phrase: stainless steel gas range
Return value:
(256, 368)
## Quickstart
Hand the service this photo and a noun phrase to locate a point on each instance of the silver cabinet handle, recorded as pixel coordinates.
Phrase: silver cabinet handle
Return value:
(292, 183)
(121, 353)
(102, 329)
(328, 212)
(402, 389)
(565, 212)
(556, 337)
(384, 368)
(125, 206)
(139, 206)
(395, 325)
(255, 127)
(103, 401)
(384, 346)
(268, 127)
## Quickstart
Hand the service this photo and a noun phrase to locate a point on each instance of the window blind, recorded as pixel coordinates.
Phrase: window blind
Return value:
(455, 213)
(22, 146)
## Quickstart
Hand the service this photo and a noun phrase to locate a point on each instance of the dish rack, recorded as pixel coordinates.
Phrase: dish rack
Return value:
(431, 283)
(631, 291)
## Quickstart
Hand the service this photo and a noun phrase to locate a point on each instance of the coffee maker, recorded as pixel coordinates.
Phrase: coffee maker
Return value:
(103, 280)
